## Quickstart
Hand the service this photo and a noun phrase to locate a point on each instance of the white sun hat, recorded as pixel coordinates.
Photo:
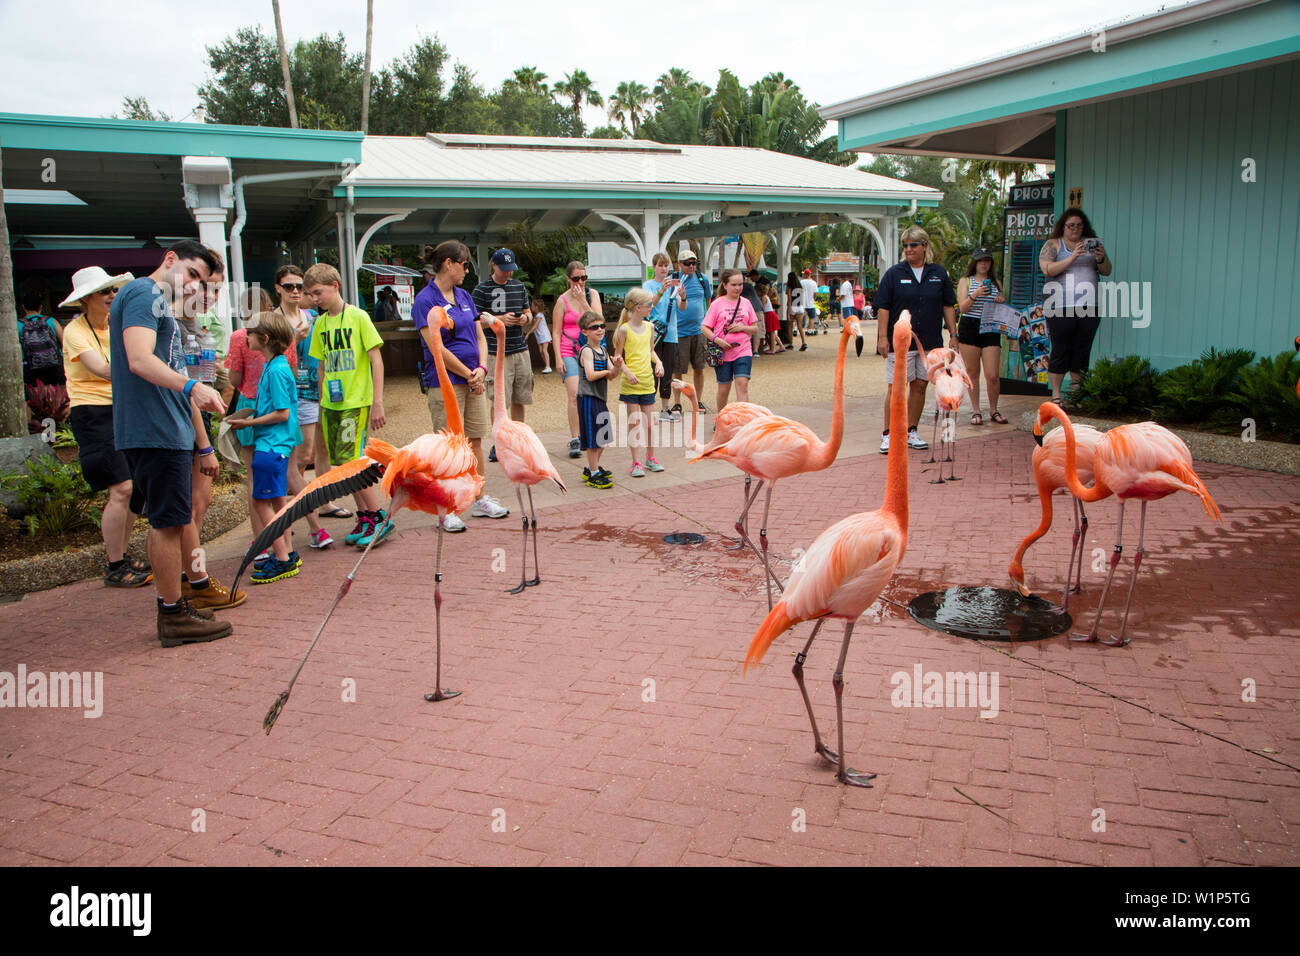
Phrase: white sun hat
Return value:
(90, 280)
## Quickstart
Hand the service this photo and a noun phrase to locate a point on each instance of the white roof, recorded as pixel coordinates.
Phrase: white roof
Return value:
(617, 166)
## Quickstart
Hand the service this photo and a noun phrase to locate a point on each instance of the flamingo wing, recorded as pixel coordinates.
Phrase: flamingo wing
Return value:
(772, 448)
(522, 455)
(335, 483)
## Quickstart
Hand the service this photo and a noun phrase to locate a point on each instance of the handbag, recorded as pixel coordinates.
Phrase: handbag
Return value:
(713, 349)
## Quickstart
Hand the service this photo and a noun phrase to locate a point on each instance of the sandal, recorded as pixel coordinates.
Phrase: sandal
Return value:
(335, 512)
(126, 577)
(999, 419)
(977, 419)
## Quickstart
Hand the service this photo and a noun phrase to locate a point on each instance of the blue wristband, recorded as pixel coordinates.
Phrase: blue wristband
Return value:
(189, 387)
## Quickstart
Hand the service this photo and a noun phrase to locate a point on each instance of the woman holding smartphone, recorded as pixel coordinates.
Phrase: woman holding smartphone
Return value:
(1072, 264)
(565, 324)
(980, 349)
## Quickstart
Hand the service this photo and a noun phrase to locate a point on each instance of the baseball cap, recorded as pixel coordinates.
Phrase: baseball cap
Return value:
(504, 260)
(807, 272)
(687, 256)
(981, 254)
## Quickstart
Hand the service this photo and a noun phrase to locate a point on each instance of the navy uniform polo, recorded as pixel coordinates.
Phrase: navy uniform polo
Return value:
(899, 290)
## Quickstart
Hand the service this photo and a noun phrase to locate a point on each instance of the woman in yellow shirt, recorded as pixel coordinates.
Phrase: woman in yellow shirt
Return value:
(90, 392)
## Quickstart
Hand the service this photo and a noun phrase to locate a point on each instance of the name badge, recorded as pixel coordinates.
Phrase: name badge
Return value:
(335, 390)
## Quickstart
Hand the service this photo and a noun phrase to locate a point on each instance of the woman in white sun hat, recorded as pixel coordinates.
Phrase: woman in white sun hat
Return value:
(90, 392)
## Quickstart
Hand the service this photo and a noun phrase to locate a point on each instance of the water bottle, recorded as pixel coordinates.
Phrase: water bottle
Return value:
(207, 358)
(192, 355)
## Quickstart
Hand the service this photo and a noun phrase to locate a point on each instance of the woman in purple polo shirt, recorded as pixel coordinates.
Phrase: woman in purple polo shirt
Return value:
(463, 348)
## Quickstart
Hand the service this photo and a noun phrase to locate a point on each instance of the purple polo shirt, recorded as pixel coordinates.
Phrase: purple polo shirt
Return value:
(462, 341)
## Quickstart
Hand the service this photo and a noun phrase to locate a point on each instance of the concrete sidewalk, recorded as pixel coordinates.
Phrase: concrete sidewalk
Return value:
(605, 719)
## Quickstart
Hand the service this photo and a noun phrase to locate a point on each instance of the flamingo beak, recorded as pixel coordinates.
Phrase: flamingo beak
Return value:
(857, 346)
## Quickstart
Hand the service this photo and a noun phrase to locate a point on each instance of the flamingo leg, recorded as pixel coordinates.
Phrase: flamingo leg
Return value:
(933, 439)
(1121, 640)
(742, 523)
(762, 539)
(952, 448)
(523, 568)
(1075, 537)
(1083, 541)
(854, 778)
(440, 692)
(1114, 563)
(536, 579)
(274, 713)
(797, 670)
(740, 542)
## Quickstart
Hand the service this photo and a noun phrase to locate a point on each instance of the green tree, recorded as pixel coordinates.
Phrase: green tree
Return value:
(531, 80)
(138, 108)
(606, 132)
(628, 105)
(245, 88)
(408, 95)
(577, 88)
(328, 81)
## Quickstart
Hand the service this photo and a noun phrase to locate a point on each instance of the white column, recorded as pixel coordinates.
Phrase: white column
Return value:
(784, 239)
(706, 256)
(211, 221)
(649, 237)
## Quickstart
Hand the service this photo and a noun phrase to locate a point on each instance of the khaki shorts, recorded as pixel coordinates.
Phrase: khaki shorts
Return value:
(915, 368)
(518, 378)
(690, 353)
(473, 409)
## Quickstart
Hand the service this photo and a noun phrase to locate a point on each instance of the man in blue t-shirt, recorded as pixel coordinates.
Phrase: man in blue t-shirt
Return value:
(156, 424)
(925, 290)
(690, 340)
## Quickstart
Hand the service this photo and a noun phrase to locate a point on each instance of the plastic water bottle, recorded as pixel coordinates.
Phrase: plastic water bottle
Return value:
(207, 358)
(192, 356)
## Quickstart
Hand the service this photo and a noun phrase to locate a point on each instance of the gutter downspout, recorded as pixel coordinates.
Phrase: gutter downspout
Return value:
(354, 292)
(241, 211)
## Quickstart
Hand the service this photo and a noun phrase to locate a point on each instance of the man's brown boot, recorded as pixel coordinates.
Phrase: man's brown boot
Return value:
(189, 627)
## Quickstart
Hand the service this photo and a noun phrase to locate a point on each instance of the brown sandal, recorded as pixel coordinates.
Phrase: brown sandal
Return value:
(977, 419)
(998, 419)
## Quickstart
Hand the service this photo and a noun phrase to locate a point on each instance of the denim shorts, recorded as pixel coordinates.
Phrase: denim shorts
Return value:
(646, 399)
(571, 366)
(736, 368)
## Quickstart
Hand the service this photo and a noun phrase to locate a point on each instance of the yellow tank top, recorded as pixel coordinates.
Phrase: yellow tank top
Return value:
(636, 356)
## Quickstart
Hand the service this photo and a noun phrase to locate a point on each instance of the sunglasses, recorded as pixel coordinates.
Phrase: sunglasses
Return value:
(577, 278)
(595, 328)
(291, 286)
(913, 245)
(1074, 225)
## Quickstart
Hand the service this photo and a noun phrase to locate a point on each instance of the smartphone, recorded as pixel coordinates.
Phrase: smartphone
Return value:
(674, 275)
(1090, 245)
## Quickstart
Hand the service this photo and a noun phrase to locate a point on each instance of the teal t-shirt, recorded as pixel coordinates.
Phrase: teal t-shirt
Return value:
(277, 390)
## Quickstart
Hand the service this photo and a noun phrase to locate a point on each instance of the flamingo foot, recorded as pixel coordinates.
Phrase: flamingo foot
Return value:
(829, 755)
(1076, 590)
(443, 694)
(938, 481)
(1090, 638)
(1114, 641)
(855, 778)
(737, 546)
(533, 582)
(517, 589)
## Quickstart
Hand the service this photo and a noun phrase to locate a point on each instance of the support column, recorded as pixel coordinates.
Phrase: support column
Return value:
(706, 257)
(649, 238)
(482, 254)
(784, 240)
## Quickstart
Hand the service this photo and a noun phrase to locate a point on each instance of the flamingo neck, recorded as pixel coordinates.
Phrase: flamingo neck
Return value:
(827, 452)
(1045, 525)
(896, 464)
(454, 421)
(499, 383)
(695, 420)
(1098, 489)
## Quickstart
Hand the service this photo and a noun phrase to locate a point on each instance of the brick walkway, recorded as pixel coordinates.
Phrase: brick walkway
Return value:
(605, 719)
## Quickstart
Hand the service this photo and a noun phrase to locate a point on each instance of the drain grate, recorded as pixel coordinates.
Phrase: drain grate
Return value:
(684, 537)
(988, 613)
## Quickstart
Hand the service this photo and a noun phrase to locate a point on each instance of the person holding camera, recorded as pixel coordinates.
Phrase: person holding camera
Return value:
(1071, 259)
(668, 302)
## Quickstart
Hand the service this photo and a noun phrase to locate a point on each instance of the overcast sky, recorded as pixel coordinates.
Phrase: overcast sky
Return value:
(81, 57)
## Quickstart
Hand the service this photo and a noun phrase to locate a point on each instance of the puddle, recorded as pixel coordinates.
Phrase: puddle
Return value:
(989, 613)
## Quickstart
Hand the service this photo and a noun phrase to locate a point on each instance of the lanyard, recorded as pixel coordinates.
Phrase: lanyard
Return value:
(99, 347)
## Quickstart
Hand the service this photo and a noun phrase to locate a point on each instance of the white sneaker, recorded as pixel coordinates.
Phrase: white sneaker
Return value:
(884, 444)
(916, 441)
(451, 523)
(488, 507)
(547, 370)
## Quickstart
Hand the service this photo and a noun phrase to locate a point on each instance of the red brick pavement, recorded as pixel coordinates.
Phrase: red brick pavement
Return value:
(556, 753)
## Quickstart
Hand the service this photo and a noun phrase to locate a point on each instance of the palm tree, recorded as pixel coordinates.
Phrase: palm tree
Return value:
(629, 103)
(999, 170)
(675, 79)
(531, 80)
(365, 78)
(13, 409)
(578, 88)
(284, 65)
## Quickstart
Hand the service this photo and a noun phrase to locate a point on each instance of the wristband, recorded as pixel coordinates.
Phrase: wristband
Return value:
(204, 452)
(482, 368)
(189, 387)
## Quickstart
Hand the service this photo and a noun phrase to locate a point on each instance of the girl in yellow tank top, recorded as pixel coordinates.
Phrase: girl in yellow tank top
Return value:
(632, 341)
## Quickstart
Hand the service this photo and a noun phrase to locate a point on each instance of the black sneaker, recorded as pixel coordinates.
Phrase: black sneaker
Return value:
(492, 454)
(575, 448)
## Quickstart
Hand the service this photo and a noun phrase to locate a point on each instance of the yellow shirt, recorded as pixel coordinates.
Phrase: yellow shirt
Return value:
(84, 387)
(636, 356)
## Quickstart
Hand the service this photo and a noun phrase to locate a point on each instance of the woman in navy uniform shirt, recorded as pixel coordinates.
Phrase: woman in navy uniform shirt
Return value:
(923, 288)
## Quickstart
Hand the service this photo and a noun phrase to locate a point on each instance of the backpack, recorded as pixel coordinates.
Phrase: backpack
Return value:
(39, 344)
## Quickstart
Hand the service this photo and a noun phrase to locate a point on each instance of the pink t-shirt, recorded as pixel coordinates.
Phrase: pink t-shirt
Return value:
(240, 358)
(719, 317)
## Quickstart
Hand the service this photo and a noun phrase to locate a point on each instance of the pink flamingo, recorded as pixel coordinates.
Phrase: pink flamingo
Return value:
(1049, 475)
(846, 568)
(730, 419)
(774, 447)
(521, 455)
(947, 373)
(436, 473)
(1142, 461)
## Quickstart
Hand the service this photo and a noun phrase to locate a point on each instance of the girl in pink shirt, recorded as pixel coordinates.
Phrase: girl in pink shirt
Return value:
(731, 321)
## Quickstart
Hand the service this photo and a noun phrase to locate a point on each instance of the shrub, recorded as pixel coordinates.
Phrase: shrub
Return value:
(46, 402)
(56, 494)
(1117, 386)
(1266, 392)
(1199, 392)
